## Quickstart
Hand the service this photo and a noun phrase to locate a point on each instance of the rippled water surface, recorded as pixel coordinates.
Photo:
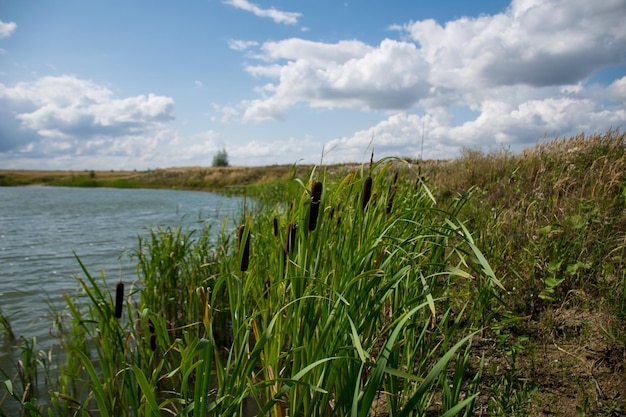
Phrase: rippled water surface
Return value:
(41, 228)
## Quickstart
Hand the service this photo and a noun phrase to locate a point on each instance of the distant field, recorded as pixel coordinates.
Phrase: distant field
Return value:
(189, 178)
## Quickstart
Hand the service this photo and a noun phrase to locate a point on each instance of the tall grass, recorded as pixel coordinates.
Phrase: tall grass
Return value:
(551, 219)
(358, 307)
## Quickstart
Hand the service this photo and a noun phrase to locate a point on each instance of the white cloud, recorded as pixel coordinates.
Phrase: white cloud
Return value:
(68, 106)
(7, 29)
(227, 113)
(241, 45)
(270, 71)
(515, 76)
(617, 90)
(65, 115)
(500, 123)
(534, 43)
(316, 53)
(259, 152)
(277, 16)
(348, 74)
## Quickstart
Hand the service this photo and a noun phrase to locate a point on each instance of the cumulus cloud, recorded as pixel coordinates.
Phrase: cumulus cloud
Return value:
(500, 122)
(67, 106)
(518, 76)
(7, 29)
(277, 16)
(69, 115)
(555, 42)
(537, 44)
(348, 74)
(617, 90)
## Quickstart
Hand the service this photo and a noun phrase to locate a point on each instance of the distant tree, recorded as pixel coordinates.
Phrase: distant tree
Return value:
(220, 159)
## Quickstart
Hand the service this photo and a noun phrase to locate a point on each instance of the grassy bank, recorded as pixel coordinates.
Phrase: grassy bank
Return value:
(217, 179)
(493, 284)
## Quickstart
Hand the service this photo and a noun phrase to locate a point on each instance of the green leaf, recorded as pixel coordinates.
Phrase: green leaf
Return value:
(573, 268)
(553, 282)
(555, 265)
(8, 385)
(96, 384)
(426, 385)
(147, 391)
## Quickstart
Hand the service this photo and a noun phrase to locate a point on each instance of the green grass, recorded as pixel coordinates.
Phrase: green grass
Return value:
(420, 295)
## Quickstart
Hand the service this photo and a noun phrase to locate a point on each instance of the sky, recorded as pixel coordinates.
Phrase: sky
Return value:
(145, 84)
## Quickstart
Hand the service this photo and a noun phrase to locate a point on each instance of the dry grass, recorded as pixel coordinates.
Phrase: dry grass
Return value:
(552, 222)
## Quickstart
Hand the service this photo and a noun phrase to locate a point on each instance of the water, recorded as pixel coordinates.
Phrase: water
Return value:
(42, 227)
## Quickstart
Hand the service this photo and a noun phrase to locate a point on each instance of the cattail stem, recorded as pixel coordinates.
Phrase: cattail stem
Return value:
(392, 194)
(244, 238)
(119, 299)
(316, 195)
(367, 192)
(290, 238)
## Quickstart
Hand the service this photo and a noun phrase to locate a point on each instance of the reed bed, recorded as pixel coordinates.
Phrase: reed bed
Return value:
(353, 313)
(361, 294)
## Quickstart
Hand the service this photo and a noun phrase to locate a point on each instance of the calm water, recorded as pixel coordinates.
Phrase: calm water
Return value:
(42, 227)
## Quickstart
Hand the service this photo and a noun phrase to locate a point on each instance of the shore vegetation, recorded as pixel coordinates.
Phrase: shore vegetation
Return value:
(491, 284)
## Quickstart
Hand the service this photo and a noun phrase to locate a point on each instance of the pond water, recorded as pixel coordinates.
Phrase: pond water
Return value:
(42, 229)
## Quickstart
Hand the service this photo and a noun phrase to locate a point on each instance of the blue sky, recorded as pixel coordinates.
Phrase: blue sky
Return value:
(153, 84)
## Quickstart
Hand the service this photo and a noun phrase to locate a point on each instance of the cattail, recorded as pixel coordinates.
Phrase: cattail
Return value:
(367, 192)
(290, 238)
(392, 194)
(119, 299)
(245, 251)
(153, 342)
(316, 195)
(275, 226)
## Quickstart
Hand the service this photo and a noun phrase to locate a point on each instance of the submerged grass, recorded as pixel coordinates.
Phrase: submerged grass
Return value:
(391, 290)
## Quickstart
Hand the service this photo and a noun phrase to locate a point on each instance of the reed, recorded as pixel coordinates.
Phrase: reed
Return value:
(243, 239)
(5, 325)
(366, 194)
(392, 194)
(316, 195)
(119, 299)
(290, 237)
(377, 311)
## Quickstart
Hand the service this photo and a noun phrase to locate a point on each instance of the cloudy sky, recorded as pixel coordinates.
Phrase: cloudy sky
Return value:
(143, 84)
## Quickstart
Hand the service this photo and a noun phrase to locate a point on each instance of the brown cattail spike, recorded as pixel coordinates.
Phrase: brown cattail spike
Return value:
(316, 195)
(367, 192)
(275, 226)
(244, 239)
(119, 299)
